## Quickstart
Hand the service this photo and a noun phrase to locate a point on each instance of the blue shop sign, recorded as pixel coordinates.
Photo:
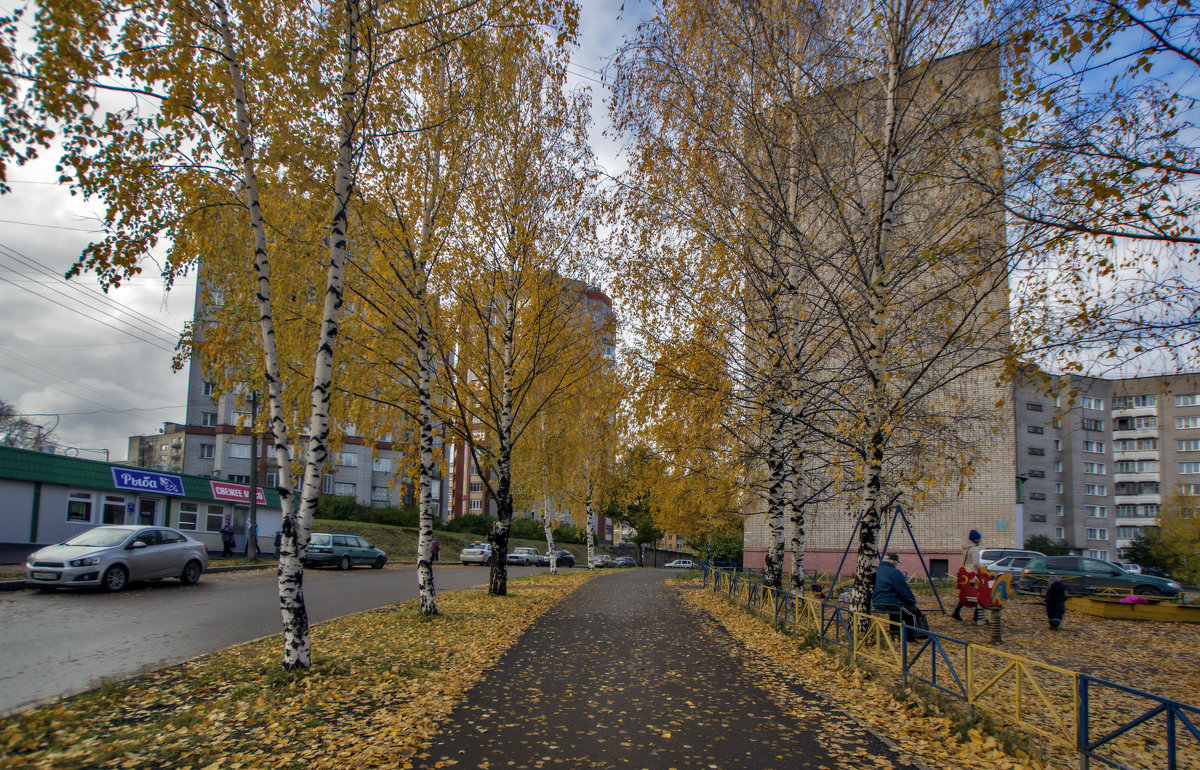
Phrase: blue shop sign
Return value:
(145, 481)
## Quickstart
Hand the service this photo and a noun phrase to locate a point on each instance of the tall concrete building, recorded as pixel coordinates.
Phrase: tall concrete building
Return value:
(1099, 457)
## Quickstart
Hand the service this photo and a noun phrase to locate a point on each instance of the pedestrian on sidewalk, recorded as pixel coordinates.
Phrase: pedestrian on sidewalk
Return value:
(278, 541)
(227, 540)
(1056, 602)
(434, 548)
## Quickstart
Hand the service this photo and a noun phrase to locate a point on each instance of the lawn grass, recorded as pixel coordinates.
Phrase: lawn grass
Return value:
(400, 543)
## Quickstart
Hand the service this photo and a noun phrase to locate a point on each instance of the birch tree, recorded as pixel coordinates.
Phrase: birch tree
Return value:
(515, 314)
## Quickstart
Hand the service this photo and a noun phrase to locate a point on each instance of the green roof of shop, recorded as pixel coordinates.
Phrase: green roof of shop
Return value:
(28, 465)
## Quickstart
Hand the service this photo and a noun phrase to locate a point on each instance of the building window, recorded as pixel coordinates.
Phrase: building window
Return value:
(1137, 466)
(380, 494)
(1189, 489)
(1184, 423)
(1133, 402)
(326, 485)
(1091, 402)
(238, 451)
(1097, 533)
(113, 511)
(1036, 474)
(1059, 533)
(1056, 422)
(1058, 466)
(208, 451)
(348, 459)
(189, 515)
(1058, 488)
(1189, 468)
(1095, 511)
(1189, 445)
(478, 435)
(1036, 451)
(214, 517)
(1093, 467)
(272, 479)
(1058, 511)
(1126, 511)
(1034, 407)
(1191, 399)
(1037, 495)
(238, 478)
(1036, 429)
(1151, 510)
(1056, 445)
(382, 465)
(1091, 424)
(1093, 446)
(208, 419)
(345, 489)
(206, 388)
(1103, 555)
(79, 507)
(1127, 533)
(435, 490)
(1147, 443)
(475, 505)
(476, 486)
(1096, 490)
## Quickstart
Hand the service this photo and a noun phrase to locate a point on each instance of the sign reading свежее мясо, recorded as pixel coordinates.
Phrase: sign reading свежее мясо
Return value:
(236, 493)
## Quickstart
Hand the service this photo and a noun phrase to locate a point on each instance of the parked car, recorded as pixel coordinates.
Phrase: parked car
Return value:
(1082, 575)
(989, 556)
(1154, 572)
(624, 561)
(113, 556)
(1010, 564)
(524, 556)
(601, 560)
(565, 558)
(342, 551)
(477, 553)
(681, 564)
(1129, 567)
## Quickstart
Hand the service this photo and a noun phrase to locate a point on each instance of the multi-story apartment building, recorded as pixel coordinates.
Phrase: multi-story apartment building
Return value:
(1099, 457)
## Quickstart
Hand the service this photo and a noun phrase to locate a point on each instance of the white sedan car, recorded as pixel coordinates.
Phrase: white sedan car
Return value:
(113, 556)
(477, 553)
(681, 564)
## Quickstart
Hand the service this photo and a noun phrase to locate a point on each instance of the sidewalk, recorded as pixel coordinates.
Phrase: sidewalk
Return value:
(623, 674)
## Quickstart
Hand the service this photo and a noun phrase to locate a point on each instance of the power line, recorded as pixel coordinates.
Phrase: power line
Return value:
(28, 376)
(52, 227)
(155, 325)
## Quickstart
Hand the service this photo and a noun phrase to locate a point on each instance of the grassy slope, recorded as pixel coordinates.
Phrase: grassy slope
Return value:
(400, 543)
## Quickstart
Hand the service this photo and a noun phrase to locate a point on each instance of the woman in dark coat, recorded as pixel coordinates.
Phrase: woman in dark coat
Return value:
(227, 540)
(1056, 602)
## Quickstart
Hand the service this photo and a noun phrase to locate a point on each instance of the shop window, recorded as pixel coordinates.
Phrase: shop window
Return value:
(79, 507)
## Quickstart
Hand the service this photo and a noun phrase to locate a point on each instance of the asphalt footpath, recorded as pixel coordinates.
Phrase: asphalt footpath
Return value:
(622, 673)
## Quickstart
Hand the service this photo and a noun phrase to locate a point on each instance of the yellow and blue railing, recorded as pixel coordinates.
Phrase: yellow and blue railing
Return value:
(1115, 725)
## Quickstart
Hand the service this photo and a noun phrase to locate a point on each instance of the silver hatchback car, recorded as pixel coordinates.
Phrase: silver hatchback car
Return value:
(113, 556)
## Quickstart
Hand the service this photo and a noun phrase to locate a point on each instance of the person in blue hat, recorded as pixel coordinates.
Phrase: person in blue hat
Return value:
(968, 577)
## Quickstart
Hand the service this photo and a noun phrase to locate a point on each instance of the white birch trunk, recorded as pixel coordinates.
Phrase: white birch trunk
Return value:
(547, 524)
(773, 564)
(498, 536)
(591, 526)
(291, 568)
(868, 535)
(795, 507)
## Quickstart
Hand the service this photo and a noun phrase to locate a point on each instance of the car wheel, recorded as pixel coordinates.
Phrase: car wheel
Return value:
(344, 564)
(116, 578)
(1146, 591)
(191, 573)
(378, 563)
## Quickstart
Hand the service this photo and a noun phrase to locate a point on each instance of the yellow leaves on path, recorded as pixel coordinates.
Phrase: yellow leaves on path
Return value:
(379, 685)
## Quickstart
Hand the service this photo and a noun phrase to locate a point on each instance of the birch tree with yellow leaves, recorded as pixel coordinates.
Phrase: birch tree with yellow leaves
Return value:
(174, 115)
(514, 314)
(825, 167)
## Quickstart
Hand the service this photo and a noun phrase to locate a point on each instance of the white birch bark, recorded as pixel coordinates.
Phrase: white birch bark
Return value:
(498, 536)
(868, 534)
(547, 524)
(291, 568)
(591, 526)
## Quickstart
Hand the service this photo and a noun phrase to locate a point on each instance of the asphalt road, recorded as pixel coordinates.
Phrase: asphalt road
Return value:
(64, 642)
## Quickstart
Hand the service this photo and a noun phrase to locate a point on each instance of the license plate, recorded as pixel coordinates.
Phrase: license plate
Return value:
(45, 576)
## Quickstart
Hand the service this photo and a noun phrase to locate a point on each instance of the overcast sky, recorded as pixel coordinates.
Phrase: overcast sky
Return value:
(99, 366)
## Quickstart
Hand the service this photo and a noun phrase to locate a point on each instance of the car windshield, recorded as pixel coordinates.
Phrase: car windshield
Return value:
(99, 538)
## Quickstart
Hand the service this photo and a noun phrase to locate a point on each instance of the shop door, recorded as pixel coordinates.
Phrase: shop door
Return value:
(148, 512)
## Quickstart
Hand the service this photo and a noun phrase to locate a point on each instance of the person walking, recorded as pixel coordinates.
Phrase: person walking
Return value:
(434, 548)
(1055, 601)
(227, 540)
(278, 541)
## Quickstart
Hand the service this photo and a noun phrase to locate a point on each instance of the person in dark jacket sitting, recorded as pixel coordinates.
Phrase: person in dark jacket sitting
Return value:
(893, 594)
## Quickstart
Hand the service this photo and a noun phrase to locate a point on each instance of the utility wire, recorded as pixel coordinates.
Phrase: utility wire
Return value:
(52, 227)
(92, 294)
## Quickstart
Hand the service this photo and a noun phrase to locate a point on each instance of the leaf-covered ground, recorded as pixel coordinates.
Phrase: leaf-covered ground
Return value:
(379, 684)
(1158, 657)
